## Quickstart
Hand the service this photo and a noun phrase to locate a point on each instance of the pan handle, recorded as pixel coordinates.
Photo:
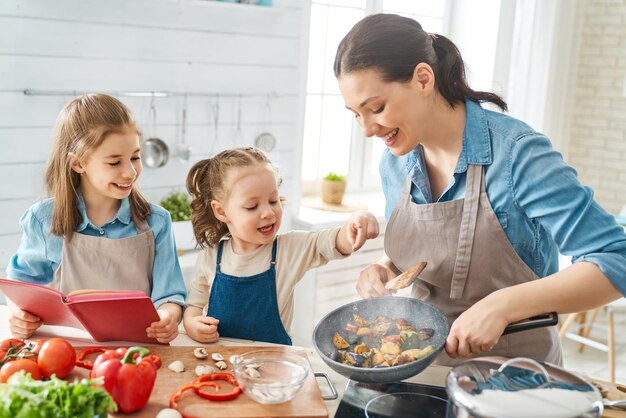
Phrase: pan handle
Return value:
(333, 392)
(538, 321)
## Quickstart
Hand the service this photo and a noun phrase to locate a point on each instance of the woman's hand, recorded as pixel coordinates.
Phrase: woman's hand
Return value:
(372, 279)
(21, 323)
(359, 228)
(202, 328)
(477, 330)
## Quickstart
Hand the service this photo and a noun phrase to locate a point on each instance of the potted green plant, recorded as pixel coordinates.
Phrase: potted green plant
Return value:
(179, 206)
(333, 188)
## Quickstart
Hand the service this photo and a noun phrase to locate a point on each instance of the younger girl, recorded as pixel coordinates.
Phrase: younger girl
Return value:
(96, 230)
(245, 278)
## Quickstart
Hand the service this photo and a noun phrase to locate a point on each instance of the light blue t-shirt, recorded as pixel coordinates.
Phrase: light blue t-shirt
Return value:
(536, 196)
(39, 253)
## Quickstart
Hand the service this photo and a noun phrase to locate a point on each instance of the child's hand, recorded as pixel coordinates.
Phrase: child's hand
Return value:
(21, 323)
(164, 330)
(360, 227)
(202, 328)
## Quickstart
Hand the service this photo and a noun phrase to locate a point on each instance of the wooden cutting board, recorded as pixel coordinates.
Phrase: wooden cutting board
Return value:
(612, 392)
(308, 401)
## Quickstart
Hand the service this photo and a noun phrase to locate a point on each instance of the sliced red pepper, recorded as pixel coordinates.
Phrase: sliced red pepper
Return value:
(156, 360)
(87, 364)
(227, 377)
(196, 388)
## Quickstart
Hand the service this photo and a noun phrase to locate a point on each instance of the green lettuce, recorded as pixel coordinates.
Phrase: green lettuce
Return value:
(23, 397)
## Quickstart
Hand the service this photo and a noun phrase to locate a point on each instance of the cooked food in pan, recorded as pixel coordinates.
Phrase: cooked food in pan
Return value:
(383, 342)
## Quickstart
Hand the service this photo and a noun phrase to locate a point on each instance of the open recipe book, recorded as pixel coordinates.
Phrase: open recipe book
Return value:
(108, 315)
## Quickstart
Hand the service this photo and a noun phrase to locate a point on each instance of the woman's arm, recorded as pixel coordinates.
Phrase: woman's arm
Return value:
(580, 287)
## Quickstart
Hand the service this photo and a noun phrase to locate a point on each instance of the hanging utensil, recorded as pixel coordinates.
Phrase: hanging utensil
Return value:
(215, 110)
(239, 140)
(182, 149)
(266, 140)
(154, 151)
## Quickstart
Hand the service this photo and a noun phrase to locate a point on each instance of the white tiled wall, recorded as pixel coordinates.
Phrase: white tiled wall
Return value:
(148, 45)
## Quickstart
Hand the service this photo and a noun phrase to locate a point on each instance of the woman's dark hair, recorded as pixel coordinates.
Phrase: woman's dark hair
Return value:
(394, 45)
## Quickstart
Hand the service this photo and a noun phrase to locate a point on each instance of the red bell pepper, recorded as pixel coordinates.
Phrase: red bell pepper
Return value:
(128, 380)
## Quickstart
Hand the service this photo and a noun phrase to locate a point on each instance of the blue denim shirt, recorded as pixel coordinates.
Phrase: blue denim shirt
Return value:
(39, 253)
(541, 205)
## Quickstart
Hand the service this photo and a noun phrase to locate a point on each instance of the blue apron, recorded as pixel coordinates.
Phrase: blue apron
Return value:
(247, 306)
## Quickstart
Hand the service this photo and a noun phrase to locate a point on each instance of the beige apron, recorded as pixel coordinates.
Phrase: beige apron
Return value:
(90, 262)
(469, 257)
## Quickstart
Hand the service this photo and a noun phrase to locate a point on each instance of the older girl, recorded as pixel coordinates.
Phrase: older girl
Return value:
(96, 230)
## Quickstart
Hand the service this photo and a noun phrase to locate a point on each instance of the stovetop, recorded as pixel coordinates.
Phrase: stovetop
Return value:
(430, 401)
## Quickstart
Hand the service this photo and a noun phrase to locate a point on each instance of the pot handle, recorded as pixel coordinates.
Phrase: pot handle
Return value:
(538, 321)
(333, 392)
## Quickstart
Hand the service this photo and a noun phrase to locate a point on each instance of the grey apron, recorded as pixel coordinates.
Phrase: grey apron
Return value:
(89, 262)
(469, 257)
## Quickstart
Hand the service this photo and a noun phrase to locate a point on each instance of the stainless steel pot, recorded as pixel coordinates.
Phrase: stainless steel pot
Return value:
(154, 151)
(498, 387)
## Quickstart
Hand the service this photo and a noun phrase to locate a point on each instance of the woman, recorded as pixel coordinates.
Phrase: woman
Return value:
(479, 195)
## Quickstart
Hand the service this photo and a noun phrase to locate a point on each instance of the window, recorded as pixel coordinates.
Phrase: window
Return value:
(333, 141)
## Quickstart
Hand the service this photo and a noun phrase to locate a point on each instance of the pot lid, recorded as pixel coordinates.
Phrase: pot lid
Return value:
(520, 388)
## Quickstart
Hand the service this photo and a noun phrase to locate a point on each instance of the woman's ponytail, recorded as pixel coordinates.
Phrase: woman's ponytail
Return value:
(450, 75)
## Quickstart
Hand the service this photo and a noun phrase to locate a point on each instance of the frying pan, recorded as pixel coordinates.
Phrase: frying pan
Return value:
(418, 313)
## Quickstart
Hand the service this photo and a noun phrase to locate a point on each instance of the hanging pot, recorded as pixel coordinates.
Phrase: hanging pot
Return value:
(498, 387)
(154, 151)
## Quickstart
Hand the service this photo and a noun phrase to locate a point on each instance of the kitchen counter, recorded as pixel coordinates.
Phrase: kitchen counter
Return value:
(434, 375)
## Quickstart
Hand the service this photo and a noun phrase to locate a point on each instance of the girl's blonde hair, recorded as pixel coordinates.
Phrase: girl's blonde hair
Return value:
(82, 125)
(205, 182)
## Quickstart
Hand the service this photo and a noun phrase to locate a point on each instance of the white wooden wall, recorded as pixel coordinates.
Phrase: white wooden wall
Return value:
(199, 47)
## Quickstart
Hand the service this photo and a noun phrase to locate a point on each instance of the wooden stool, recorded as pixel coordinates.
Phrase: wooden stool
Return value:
(585, 321)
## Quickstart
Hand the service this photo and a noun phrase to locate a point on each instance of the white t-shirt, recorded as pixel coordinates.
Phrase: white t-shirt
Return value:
(297, 252)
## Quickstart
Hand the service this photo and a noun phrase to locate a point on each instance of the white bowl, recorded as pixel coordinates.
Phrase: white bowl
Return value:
(282, 374)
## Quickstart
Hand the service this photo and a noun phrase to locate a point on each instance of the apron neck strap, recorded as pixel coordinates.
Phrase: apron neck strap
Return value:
(473, 186)
(274, 247)
(220, 248)
(141, 225)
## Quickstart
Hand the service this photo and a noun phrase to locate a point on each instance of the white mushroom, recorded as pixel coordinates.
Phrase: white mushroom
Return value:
(169, 413)
(203, 369)
(221, 365)
(253, 366)
(234, 359)
(200, 353)
(252, 372)
(177, 366)
(217, 357)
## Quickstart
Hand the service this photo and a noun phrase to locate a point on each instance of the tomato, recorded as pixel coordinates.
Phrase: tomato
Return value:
(57, 356)
(14, 366)
(3, 353)
(11, 342)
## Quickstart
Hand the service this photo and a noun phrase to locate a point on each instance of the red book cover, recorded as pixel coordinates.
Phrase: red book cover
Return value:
(108, 315)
